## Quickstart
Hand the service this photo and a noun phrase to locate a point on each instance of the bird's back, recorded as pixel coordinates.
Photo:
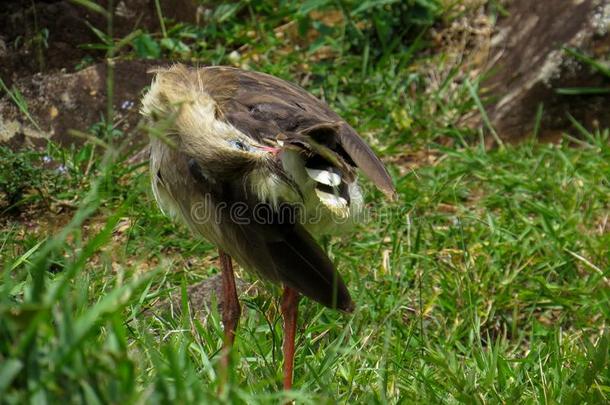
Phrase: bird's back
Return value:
(261, 208)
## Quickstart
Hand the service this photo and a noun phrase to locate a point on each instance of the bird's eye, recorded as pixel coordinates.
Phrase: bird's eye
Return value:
(237, 144)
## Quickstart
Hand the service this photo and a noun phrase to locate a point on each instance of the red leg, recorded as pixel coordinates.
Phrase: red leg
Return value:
(230, 307)
(289, 307)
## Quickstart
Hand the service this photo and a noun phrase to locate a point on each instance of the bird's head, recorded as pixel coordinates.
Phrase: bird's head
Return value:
(187, 118)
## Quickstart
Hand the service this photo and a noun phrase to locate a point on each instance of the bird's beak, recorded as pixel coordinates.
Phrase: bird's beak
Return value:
(270, 149)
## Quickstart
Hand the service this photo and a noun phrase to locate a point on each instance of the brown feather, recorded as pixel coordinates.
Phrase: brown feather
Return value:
(266, 107)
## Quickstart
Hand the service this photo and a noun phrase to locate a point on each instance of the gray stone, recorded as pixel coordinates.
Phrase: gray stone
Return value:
(530, 64)
(59, 102)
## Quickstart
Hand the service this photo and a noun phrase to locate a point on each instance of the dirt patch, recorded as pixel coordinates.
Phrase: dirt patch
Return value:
(201, 297)
(44, 54)
(62, 101)
(45, 36)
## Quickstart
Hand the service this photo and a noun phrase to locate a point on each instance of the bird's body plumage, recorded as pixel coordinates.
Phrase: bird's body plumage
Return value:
(257, 165)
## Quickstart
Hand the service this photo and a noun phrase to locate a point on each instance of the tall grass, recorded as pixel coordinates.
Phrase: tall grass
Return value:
(486, 283)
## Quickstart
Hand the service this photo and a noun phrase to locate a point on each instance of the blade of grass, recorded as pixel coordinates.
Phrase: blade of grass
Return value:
(92, 6)
(483, 112)
(20, 102)
(160, 17)
(597, 65)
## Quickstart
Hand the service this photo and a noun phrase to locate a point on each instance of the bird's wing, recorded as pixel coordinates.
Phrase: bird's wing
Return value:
(291, 253)
(269, 109)
(269, 240)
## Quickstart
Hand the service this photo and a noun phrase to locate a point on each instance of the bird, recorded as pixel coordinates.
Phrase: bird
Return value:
(260, 168)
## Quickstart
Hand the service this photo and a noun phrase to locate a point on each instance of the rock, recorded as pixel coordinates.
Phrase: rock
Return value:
(530, 65)
(59, 102)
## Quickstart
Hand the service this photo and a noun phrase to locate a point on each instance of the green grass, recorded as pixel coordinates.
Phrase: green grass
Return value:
(487, 282)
